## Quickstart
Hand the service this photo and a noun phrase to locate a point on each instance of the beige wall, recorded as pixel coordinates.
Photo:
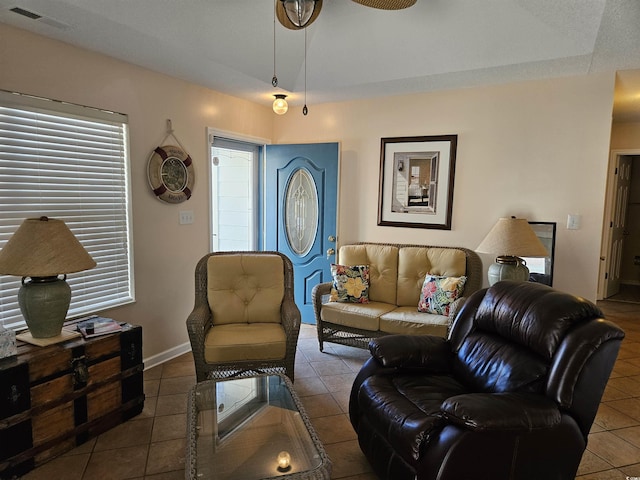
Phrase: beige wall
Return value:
(165, 253)
(625, 136)
(537, 150)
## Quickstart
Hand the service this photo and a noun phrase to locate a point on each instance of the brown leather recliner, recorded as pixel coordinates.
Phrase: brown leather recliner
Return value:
(511, 394)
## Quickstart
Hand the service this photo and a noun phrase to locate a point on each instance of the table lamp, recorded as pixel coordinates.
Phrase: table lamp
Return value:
(39, 251)
(510, 239)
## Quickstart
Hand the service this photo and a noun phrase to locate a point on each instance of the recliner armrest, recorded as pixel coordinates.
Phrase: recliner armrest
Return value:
(519, 412)
(412, 351)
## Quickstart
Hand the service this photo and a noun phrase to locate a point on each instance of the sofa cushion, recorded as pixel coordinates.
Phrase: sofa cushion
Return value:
(383, 268)
(438, 293)
(408, 321)
(248, 341)
(414, 263)
(252, 293)
(350, 283)
(365, 316)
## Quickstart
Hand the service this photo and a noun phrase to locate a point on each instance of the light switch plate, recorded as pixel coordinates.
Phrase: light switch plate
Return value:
(186, 217)
(573, 221)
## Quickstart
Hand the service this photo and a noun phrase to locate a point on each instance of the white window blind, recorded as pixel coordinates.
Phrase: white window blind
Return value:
(68, 162)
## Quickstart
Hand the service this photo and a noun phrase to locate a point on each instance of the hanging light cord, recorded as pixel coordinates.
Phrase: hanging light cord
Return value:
(305, 110)
(274, 80)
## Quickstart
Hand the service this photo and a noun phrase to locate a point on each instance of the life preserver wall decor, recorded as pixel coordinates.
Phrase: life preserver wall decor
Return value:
(170, 172)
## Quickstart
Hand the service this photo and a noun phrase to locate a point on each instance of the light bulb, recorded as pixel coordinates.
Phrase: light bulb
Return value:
(284, 461)
(280, 105)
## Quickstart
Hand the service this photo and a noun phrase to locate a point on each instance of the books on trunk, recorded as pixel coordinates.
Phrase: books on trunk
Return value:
(96, 326)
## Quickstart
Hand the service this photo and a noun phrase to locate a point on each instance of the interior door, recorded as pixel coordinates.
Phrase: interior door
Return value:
(617, 224)
(300, 212)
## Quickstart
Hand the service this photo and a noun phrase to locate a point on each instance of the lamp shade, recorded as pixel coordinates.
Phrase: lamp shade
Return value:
(512, 237)
(43, 247)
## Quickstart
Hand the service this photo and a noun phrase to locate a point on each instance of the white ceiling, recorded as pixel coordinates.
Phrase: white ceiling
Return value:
(354, 51)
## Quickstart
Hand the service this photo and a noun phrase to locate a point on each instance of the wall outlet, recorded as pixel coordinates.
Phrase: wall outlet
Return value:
(186, 217)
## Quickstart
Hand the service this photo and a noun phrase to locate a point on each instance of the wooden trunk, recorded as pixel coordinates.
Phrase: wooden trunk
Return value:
(56, 397)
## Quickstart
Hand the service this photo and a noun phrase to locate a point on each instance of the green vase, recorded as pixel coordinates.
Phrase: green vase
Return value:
(44, 303)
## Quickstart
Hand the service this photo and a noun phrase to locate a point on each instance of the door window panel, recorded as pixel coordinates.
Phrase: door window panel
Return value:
(301, 212)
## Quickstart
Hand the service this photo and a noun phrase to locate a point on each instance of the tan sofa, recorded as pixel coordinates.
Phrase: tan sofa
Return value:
(397, 273)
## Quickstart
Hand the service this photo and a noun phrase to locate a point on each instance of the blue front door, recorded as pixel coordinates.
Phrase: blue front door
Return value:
(300, 208)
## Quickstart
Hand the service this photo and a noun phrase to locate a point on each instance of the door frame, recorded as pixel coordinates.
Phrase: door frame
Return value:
(609, 212)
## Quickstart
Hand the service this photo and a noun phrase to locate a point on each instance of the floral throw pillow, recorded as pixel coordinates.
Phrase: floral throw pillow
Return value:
(350, 284)
(438, 293)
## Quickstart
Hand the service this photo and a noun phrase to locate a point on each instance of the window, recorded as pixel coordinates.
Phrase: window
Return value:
(68, 162)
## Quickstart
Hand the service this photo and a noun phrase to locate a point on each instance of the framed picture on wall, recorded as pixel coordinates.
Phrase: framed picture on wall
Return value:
(416, 181)
(541, 268)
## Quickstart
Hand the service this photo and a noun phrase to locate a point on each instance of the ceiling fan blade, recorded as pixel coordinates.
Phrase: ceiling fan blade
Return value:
(387, 4)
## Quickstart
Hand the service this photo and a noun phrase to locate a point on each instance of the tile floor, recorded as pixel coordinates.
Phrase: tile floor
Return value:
(151, 445)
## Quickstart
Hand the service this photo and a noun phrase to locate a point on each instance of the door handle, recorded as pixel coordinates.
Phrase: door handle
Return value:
(330, 252)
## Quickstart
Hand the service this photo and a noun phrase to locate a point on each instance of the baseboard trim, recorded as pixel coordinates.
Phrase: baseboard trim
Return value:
(167, 355)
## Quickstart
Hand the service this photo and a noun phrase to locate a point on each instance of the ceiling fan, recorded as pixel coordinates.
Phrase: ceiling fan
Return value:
(298, 14)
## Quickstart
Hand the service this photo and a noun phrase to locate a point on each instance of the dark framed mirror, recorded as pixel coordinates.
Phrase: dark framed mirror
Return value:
(541, 268)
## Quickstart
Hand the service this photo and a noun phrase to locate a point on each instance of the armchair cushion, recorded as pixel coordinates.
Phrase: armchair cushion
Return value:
(245, 288)
(248, 341)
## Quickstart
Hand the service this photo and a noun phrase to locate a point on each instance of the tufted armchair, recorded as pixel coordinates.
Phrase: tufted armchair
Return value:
(511, 394)
(245, 317)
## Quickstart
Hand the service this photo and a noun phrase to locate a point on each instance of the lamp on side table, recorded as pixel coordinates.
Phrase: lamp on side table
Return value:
(510, 239)
(39, 251)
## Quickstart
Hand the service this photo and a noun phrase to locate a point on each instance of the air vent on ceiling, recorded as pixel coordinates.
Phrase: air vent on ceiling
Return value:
(36, 16)
(26, 13)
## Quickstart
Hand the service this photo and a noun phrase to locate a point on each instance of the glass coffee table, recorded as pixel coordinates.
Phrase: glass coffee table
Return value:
(251, 428)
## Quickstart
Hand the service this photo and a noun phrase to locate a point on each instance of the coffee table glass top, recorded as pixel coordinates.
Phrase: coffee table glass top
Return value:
(251, 428)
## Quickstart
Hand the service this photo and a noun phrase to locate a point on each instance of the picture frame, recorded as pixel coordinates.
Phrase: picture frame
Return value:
(541, 268)
(416, 181)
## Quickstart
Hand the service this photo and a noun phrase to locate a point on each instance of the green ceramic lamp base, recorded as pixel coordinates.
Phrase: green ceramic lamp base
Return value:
(508, 268)
(44, 302)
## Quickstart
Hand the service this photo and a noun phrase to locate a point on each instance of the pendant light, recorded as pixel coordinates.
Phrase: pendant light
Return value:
(280, 105)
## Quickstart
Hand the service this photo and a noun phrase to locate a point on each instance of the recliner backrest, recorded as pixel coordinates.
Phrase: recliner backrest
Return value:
(507, 337)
